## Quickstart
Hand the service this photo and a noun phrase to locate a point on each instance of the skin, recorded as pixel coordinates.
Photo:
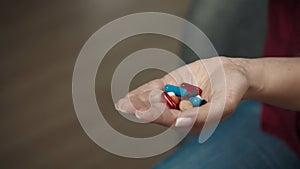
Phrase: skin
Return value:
(271, 80)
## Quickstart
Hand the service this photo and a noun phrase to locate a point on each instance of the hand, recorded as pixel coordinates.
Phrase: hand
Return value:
(224, 84)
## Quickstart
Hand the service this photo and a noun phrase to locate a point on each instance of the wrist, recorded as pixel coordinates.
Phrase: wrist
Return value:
(256, 77)
(253, 71)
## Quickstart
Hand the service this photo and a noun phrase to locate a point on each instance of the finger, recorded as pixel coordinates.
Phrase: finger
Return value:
(160, 114)
(194, 117)
(139, 102)
(124, 106)
(127, 103)
(131, 104)
(203, 117)
(199, 117)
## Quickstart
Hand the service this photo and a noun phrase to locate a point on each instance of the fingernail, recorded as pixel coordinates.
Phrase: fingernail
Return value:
(119, 109)
(125, 106)
(119, 103)
(137, 116)
(183, 122)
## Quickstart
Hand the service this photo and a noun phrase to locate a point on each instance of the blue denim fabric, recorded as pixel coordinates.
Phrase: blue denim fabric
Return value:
(237, 143)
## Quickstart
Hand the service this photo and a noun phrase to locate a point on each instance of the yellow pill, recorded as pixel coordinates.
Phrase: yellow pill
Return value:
(185, 105)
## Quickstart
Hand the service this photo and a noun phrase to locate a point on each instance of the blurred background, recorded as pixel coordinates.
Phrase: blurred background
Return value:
(39, 44)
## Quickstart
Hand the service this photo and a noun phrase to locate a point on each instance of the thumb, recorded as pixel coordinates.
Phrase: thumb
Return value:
(203, 117)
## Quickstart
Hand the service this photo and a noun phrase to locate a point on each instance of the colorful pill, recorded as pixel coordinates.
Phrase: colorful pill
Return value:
(199, 97)
(177, 90)
(174, 97)
(193, 94)
(171, 93)
(185, 105)
(191, 88)
(203, 102)
(196, 101)
(169, 101)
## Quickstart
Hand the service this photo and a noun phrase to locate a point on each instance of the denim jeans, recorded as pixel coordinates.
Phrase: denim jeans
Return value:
(237, 143)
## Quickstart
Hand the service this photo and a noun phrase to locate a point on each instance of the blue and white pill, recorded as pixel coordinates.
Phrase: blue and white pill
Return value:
(196, 101)
(177, 90)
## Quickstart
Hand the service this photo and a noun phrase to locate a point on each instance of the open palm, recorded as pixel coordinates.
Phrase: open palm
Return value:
(223, 82)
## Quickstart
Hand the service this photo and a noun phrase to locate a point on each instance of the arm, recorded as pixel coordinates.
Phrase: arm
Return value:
(274, 81)
(271, 80)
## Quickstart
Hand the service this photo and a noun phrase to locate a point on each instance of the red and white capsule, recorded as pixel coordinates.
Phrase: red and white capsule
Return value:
(169, 101)
(174, 97)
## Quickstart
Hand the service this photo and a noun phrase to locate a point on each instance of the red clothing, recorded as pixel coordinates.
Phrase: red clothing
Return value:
(283, 39)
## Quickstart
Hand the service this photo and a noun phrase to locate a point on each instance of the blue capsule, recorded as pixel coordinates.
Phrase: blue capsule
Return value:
(196, 101)
(177, 90)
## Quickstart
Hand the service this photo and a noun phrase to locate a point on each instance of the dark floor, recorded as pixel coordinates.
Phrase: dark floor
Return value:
(39, 43)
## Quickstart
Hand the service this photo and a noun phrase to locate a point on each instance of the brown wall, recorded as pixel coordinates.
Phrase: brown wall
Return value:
(39, 43)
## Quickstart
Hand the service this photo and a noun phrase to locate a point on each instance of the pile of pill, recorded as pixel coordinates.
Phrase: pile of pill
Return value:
(182, 98)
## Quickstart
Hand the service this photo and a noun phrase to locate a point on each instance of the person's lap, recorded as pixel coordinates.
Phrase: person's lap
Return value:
(238, 142)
